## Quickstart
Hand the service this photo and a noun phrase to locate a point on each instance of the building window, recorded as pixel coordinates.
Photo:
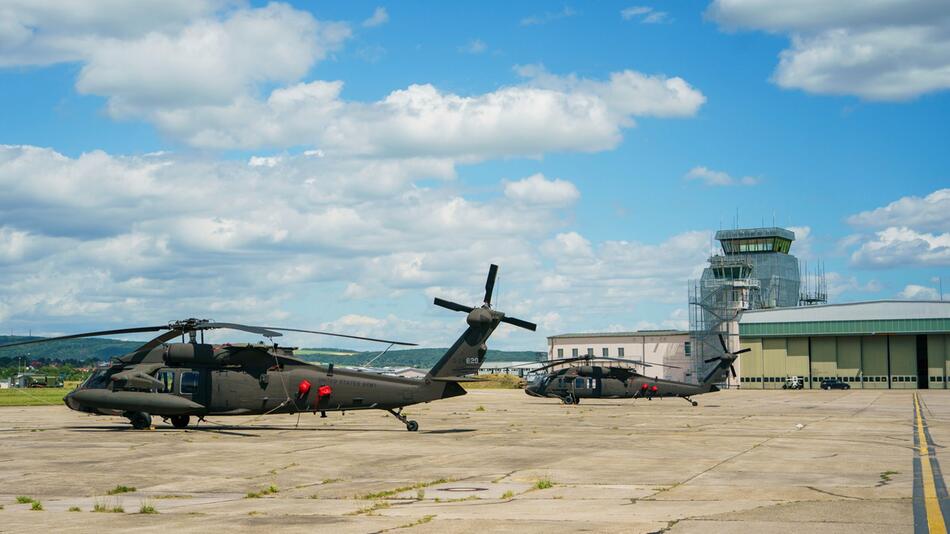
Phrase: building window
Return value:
(574, 353)
(560, 353)
(687, 349)
(620, 352)
(605, 352)
(590, 351)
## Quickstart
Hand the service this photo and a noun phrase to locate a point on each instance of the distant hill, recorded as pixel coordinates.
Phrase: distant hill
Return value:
(68, 349)
(103, 349)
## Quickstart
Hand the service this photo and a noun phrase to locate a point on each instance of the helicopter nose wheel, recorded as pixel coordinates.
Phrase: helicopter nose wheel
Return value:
(180, 421)
(411, 426)
(570, 399)
(139, 420)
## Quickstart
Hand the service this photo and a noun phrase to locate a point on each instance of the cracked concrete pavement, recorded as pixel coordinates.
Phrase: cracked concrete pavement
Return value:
(738, 462)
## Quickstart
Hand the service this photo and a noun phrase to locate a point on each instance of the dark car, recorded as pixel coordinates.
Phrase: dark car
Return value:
(834, 383)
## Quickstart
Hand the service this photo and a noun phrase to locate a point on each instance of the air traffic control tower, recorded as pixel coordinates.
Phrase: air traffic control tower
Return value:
(760, 254)
(754, 271)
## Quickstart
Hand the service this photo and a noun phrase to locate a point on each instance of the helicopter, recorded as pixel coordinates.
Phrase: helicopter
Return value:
(589, 381)
(177, 381)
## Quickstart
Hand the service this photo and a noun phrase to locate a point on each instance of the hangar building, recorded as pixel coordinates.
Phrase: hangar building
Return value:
(883, 344)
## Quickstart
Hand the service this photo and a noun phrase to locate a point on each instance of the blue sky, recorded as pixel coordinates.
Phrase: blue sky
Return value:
(337, 165)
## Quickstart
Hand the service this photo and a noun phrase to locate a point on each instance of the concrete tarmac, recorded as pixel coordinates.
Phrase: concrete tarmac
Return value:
(741, 461)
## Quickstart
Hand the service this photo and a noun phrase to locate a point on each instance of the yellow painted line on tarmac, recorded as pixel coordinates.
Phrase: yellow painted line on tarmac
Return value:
(935, 523)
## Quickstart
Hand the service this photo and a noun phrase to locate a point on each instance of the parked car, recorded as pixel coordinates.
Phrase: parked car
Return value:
(794, 382)
(834, 383)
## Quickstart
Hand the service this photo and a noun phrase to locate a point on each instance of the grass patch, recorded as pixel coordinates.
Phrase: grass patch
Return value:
(370, 510)
(106, 509)
(121, 489)
(543, 484)
(269, 490)
(74, 509)
(330, 480)
(37, 506)
(147, 508)
(23, 499)
(496, 382)
(480, 408)
(421, 521)
(33, 396)
(886, 475)
(396, 491)
(508, 495)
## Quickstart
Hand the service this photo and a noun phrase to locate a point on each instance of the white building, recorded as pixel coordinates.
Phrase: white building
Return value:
(667, 347)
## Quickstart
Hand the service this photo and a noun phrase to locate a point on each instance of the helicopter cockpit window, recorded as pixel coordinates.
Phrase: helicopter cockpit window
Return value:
(189, 382)
(167, 378)
(97, 380)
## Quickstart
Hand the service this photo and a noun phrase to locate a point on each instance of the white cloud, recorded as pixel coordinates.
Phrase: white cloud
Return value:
(42, 32)
(546, 113)
(915, 232)
(548, 16)
(231, 79)
(844, 287)
(880, 50)
(718, 178)
(106, 237)
(209, 62)
(379, 17)
(901, 246)
(929, 213)
(915, 292)
(475, 46)
(536, 189)
(645, 14)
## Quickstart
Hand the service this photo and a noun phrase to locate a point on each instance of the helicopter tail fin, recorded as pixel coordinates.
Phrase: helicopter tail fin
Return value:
(465, 357)
(719, 372)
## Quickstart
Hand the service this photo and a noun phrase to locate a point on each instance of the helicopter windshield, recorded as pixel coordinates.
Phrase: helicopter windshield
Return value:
(97, 380)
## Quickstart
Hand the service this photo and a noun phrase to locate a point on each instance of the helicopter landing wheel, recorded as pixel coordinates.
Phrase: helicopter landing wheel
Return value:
(412, 426)
(139, 420)
(694, 403)
(569, 399)
(180, 421)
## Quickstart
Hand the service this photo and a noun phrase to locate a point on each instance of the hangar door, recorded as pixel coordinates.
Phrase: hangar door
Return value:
(903, 353)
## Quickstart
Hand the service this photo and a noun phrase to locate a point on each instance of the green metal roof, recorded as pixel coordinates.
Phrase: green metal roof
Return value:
(859, 318)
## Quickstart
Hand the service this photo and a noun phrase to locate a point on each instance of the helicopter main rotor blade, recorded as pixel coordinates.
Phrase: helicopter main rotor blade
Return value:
(151, 344)
(90, 334)
(738, 352)
(722, 342)
(518, 322)
(391, 342)
(490, 283)
(454, 306)
(264, 331)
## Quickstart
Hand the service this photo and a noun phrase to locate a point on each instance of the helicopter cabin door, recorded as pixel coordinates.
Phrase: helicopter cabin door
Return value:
(194, 384)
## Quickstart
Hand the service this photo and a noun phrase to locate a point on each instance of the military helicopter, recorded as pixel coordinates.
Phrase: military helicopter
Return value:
(589, 381)
(177, 381)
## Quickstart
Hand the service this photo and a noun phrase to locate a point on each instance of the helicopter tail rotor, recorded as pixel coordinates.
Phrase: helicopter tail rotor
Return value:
(728, 357)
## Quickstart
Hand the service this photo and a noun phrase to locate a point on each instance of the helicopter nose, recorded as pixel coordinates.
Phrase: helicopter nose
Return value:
(71, 402)
(530, 390)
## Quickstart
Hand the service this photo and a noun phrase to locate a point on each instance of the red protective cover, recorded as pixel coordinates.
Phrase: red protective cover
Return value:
(303, 388)
(324, 391)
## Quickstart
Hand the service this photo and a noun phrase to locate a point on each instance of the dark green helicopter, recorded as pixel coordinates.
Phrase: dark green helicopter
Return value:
(177, 381)
(589, 381)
